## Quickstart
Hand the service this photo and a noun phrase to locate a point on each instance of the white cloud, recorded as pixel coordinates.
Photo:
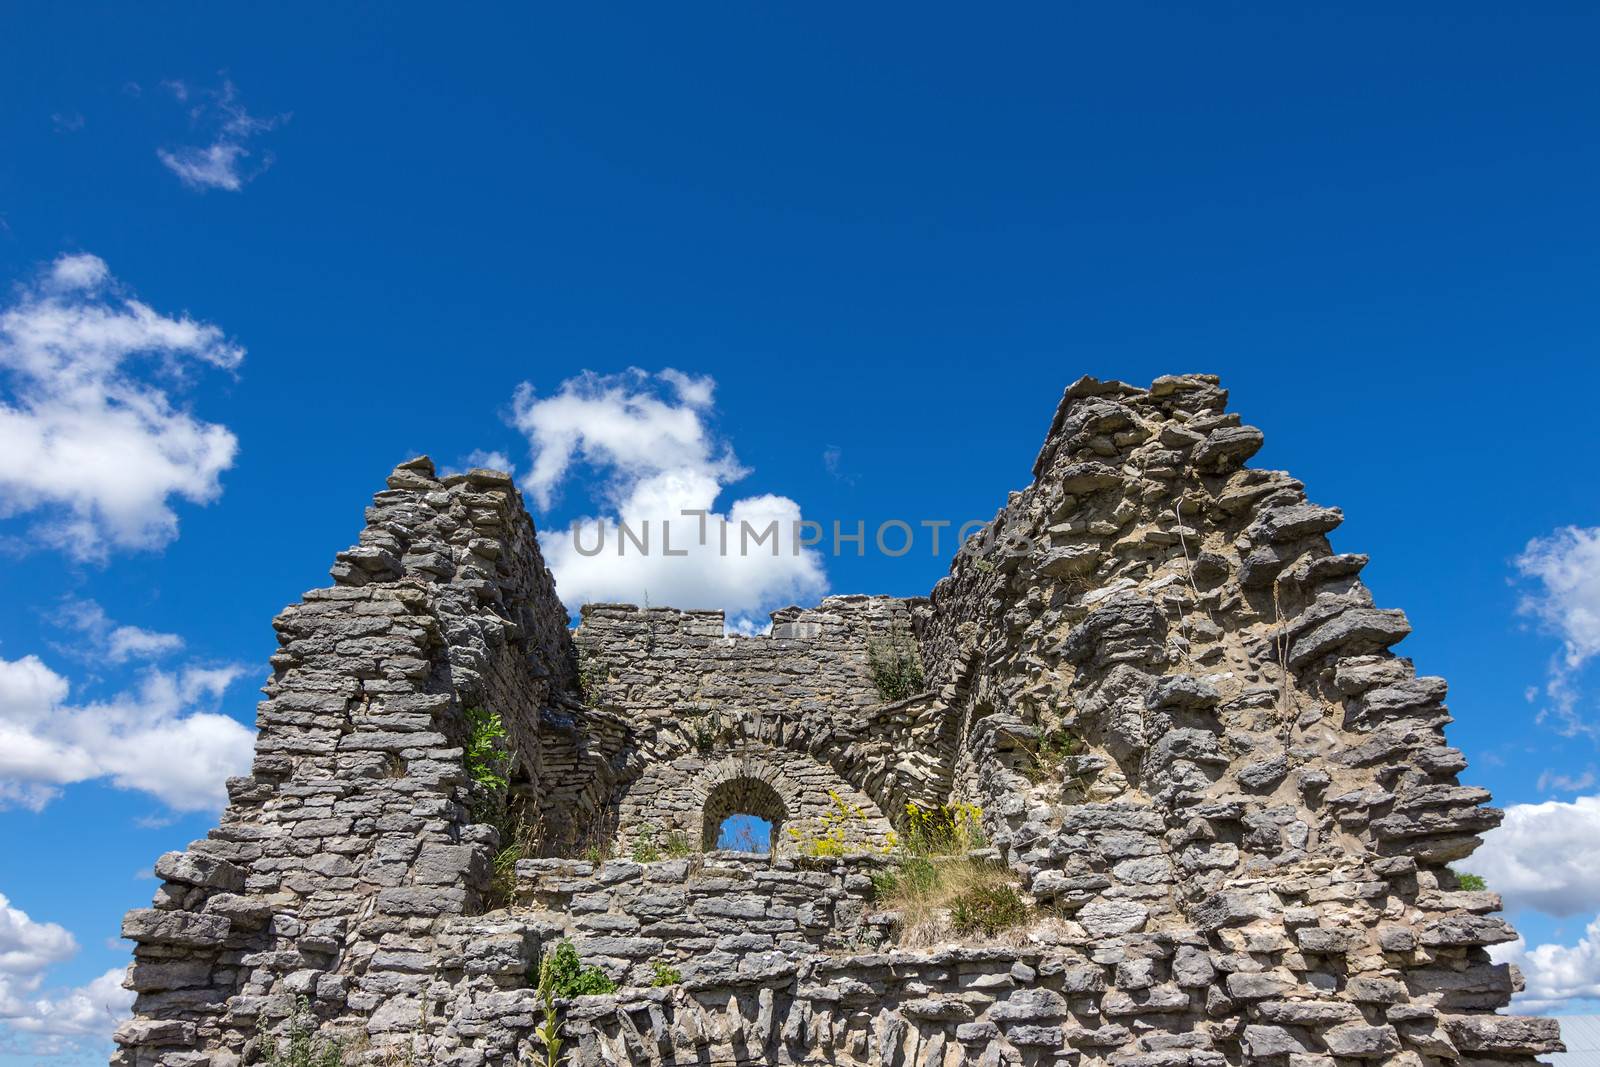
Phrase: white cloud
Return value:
(495, 461)
(159, 738)
(648, 438)
(222, 163)
(1543, 856)
(96, 451)
(111, 641)
(1555, 974)
(28, 947)
(1567, 566)
(1554, 781)
(56, 1022)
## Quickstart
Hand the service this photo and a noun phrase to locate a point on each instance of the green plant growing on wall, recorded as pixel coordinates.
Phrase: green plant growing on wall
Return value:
(663, 973)
(592, 677)
(1051, 750)
(302, 1047)
(645, 849)
(895, 668)
(938, 885)
(518, 840)
(1473, 883)
(703, 733)
(570, 977)
(946, 830)
(549, 1028)
(678, 845)
(988, 909)
(487, 758)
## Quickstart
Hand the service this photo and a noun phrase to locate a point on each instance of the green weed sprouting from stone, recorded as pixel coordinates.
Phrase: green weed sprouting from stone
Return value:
(303, 1048)
(945, 830)
(592, 677)
(518, 840)
(1472, 883)
(895, 668)
(487, 757)
(1049, 752)
(663, 973)
(568, 976)
(937, 884)
(645, 849)
(549, 1028)
(988, 909)
(677, 845)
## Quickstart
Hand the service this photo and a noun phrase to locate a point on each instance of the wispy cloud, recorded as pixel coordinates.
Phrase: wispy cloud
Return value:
(646, 442)
(90, 435)
(833, 463)
(111, 641)
(1555, 782)
(1566, 566)
(225, 161)
(495, 461)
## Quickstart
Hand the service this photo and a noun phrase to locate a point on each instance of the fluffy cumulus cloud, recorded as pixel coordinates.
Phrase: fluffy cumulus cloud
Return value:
(1544, 857)
(1556, 975)
(660, 471)
(47, 742)
(92, 442)
(57, 1021)
(1566, 600)
(225, 161)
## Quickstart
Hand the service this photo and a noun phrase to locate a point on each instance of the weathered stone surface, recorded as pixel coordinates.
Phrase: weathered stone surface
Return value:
(1170, 709)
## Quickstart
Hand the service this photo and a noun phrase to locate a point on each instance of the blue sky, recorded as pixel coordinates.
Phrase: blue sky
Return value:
(889, 237)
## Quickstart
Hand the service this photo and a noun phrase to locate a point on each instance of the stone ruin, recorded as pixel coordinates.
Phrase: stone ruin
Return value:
(1245, 860)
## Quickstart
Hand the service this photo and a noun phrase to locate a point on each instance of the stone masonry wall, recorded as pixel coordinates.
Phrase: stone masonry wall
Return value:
(1231, 805)
(1178, 710)
(351, 838)
(721, 915)
(689, 690)
(799, 797)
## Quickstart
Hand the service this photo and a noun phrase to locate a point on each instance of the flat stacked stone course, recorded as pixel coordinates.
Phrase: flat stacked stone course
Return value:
(1243, 855)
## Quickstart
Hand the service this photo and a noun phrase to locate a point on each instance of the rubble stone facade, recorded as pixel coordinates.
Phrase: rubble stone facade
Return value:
(1245, 857)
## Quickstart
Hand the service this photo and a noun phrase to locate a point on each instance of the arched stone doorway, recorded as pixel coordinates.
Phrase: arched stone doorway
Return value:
(742, 796)
(690, 796)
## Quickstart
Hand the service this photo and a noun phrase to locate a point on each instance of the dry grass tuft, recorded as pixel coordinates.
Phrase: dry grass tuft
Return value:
(941, 897)
(938, 887)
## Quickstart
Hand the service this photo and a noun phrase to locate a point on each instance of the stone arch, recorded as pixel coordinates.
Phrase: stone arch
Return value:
(678, 797)
(741, 796)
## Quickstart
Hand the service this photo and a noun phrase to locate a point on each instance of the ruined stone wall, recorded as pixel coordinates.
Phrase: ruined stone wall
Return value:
(802, 799)
(1179, 712)
(692, 694)
(713, 917)
(1231, 805)
(338, 855)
